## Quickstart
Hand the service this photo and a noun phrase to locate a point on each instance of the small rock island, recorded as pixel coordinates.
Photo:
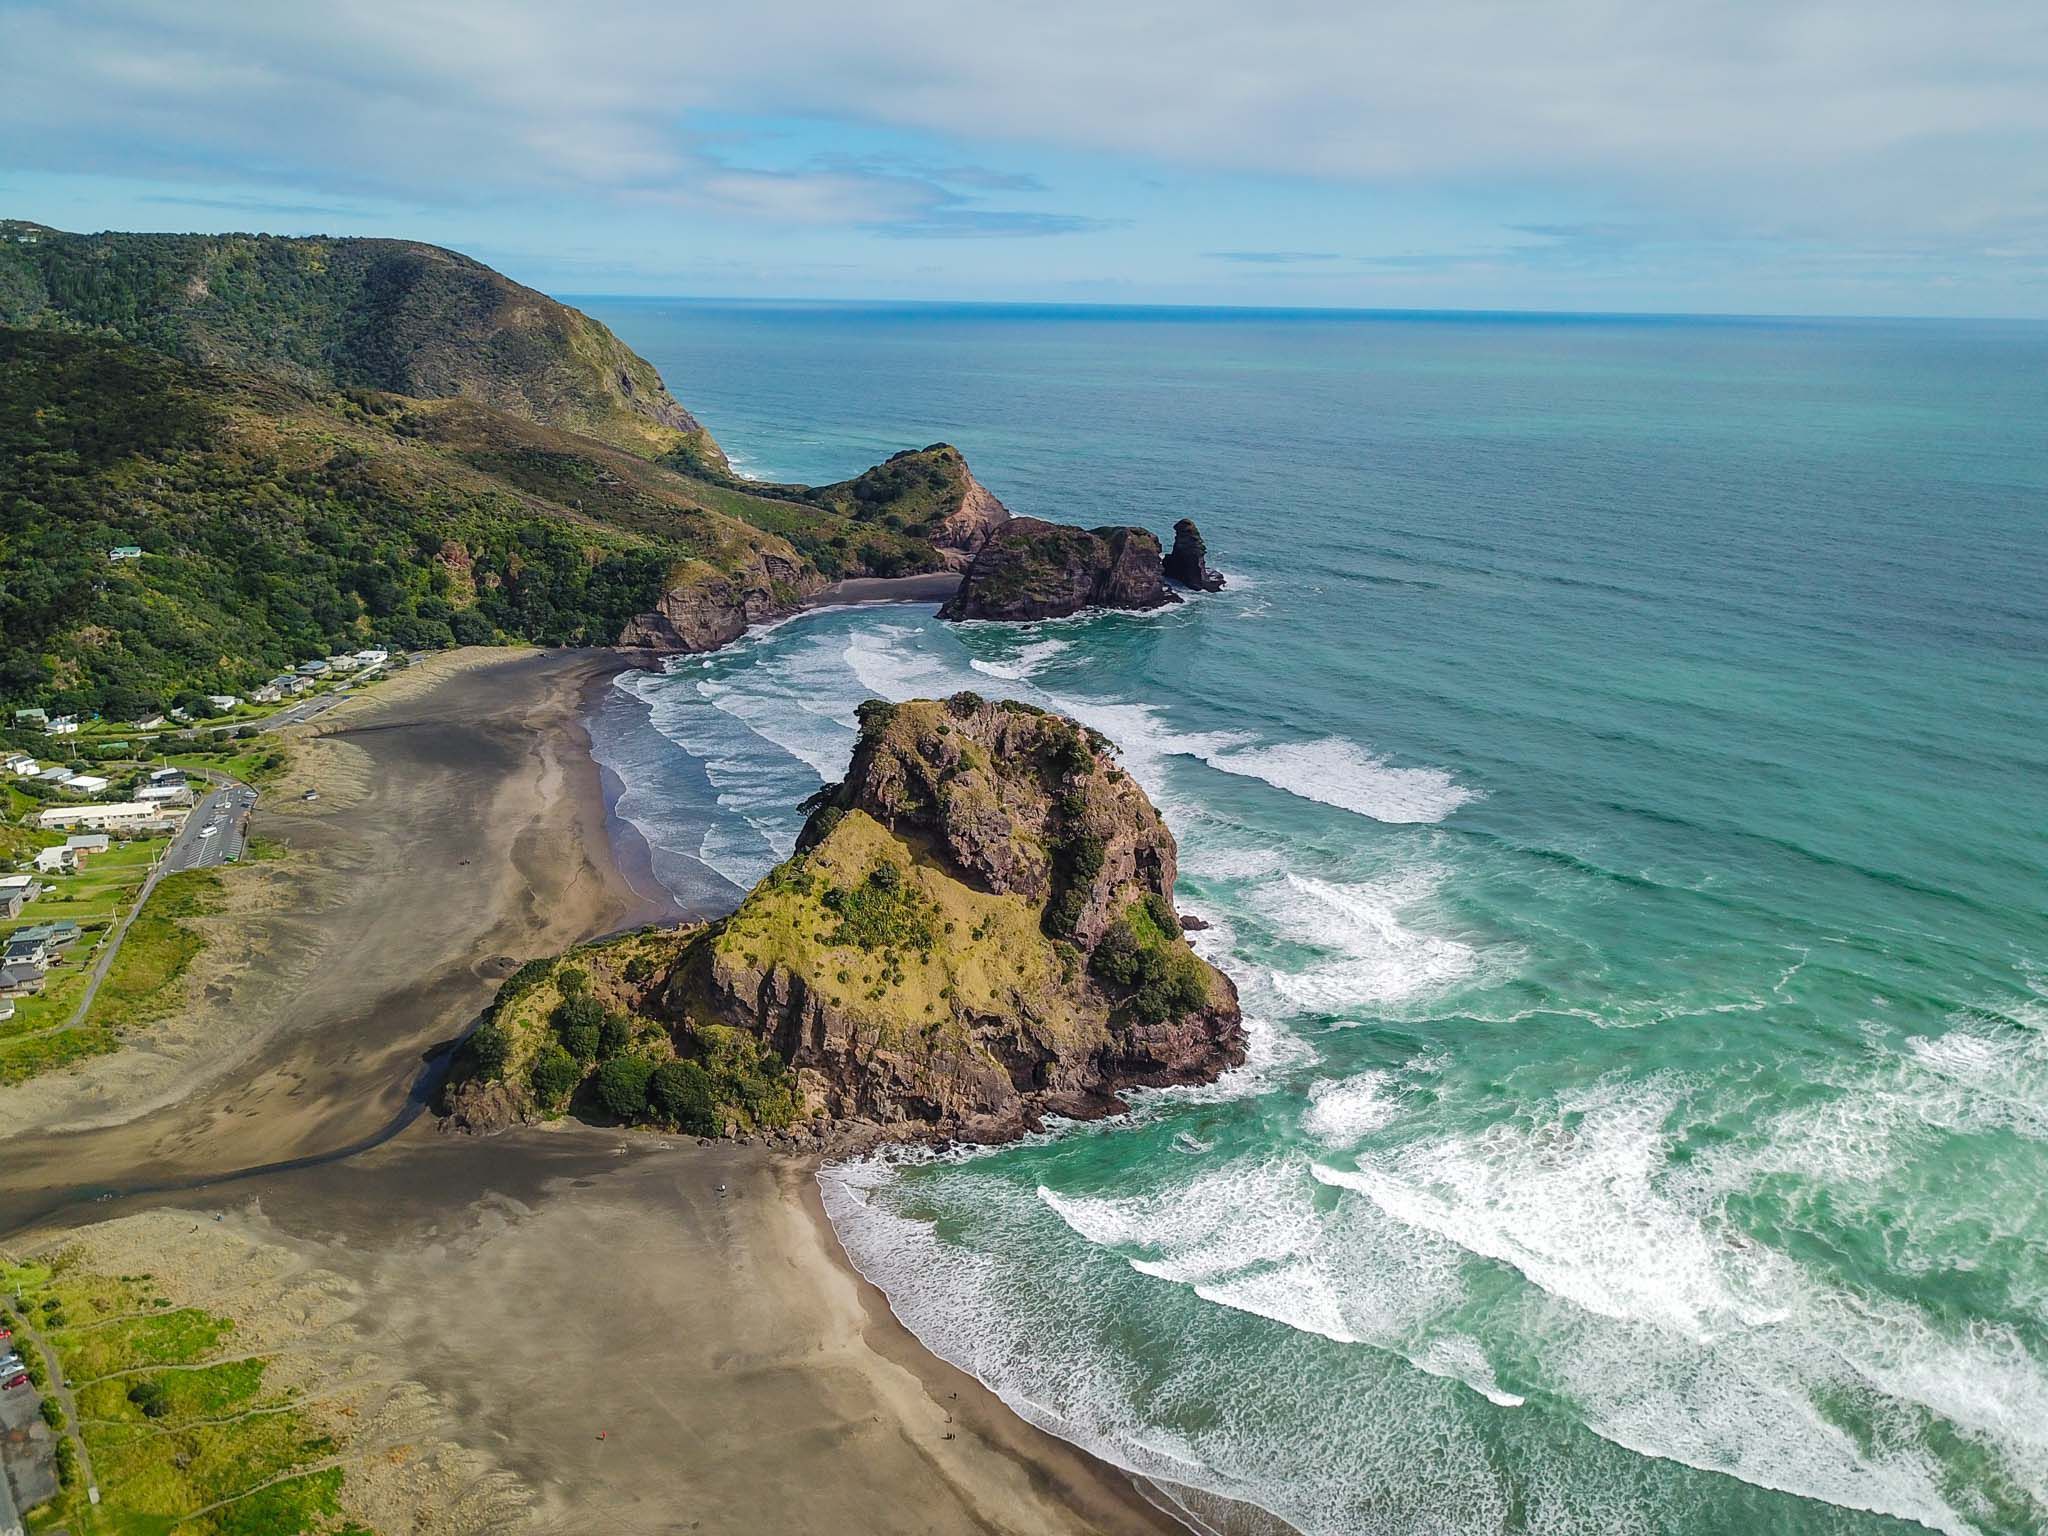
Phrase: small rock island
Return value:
(977, 930)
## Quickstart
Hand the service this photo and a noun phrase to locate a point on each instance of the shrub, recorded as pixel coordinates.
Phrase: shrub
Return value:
(622, 1085)
(149, 1395)
(614, 1032)
(489, 1048)
(577, 1022)
(1163, 978)
(554, 1077)
(572, 979)
(682, 1093)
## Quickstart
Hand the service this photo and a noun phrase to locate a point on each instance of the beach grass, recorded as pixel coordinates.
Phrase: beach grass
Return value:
(144, 982)
(182, 1435)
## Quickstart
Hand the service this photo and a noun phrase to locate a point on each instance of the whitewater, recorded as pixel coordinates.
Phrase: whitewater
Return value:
(1617, 781)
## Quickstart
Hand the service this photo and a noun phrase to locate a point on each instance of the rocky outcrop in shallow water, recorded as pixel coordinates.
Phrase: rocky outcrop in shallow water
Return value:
(1031, 569)
(1188, 561)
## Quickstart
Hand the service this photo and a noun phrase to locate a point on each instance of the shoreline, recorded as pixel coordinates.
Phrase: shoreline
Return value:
(463, 825)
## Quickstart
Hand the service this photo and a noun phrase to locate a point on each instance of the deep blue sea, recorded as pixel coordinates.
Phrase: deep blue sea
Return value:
(1617, 773)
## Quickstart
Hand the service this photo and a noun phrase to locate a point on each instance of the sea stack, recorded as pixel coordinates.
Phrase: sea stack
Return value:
(977, 929)
(1030, 569)
(1187, 563)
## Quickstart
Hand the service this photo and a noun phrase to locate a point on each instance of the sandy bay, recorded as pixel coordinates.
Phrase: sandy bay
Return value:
(637, 1332)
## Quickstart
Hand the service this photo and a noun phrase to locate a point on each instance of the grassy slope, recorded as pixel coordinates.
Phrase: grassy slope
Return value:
(171, 1425)
(988, 955)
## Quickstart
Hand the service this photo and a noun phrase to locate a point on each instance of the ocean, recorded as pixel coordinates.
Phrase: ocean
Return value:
(1617, 776)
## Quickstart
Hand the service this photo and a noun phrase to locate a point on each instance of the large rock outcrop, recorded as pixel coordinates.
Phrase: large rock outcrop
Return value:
(704, 608)
(1188, 561)
(977, 929)
(1031, 569)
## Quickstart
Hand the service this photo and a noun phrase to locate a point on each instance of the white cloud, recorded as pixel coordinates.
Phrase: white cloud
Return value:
(1796, 117)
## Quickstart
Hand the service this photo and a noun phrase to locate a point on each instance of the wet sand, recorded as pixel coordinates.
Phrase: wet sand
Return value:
(934, 587)
(635, 1349)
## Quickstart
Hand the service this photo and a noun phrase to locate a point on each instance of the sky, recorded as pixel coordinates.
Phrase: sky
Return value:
(1721, 156)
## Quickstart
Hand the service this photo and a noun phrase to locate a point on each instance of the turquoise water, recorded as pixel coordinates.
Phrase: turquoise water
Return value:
(1618, 777)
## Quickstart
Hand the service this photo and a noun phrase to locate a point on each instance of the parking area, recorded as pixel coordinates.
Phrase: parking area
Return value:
(216, 832)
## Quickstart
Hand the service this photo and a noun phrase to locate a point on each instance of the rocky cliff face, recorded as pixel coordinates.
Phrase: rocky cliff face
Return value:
(978, 929)
(1031, 569)
(1188, 561)
(704, 608)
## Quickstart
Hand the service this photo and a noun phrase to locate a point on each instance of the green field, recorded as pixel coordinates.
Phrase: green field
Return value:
(184, 1434)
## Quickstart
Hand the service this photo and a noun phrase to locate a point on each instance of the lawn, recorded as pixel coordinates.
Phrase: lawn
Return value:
(145, 981)
(172, 1428)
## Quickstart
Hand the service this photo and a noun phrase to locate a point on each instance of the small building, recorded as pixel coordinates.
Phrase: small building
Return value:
(342, 663)
(372, 657)
(222, 702)
(23, 886)
(182, 716)
(35, 717)
(314, 668)
(150, 723)
(114, 816)
(27, 951)
(59, 860)
(85, 844)
(11, 903)
(19, 763)
(85, 784)
(166, 775)
(269, 693)
(19, 980)
(63, 725)
(61, 934)
(171, 793)
(122, 552)
(55, 776)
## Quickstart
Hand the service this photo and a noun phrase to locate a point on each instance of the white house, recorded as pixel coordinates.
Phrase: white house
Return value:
(165, 794)
(85, 844)
(23, 885)
(371, 657)
(55, 775)
(85, 784)
(342, 663)
(60, 860)
(122, 552)
(20, 763)
(222, 702)
(113, 816)
(150, 723)
(63, 725)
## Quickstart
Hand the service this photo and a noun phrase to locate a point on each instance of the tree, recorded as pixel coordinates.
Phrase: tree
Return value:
(622, 1085)
(554, 1076)
(614, 1034)
(489, 1049)
(681, 1093)
(577, 1021)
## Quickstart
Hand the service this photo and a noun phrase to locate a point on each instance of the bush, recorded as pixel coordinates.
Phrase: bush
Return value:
(1163, 977)
(149, 1395)
(614, 1033)
(572, 979)
(554, 1077)
(577, 1021)
(682, 1093)
(622, 1086)
(489, 1049)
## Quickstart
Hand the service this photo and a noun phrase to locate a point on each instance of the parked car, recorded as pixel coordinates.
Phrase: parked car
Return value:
(19, 1380)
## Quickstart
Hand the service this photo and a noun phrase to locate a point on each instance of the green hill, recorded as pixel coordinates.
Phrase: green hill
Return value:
(392, 315)
(319, 443)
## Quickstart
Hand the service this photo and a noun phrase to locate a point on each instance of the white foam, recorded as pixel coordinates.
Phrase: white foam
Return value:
(1027, 661)
(1374, 961)
(1333, 771)
(1343, 1111)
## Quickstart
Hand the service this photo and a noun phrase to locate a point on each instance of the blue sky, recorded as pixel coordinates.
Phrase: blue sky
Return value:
(1808, 156)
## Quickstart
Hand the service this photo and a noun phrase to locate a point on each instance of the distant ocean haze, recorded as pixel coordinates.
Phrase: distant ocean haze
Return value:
(1617, 778)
